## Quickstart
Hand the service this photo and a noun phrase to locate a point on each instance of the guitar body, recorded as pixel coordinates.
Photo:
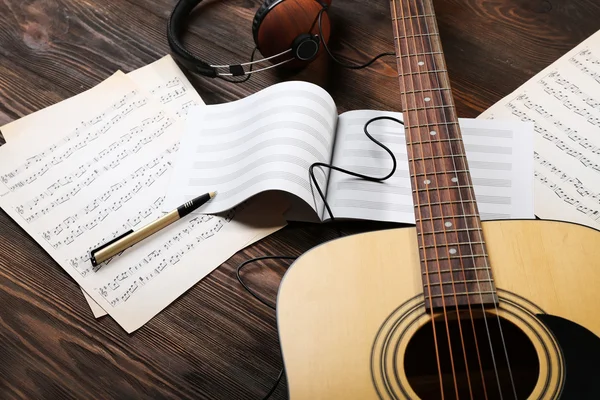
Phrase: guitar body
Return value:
(353, 324)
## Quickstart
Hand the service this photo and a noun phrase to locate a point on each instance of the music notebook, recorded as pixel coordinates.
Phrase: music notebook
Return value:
(267, 142)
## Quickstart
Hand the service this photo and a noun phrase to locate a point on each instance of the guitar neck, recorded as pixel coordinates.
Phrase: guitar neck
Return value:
(454, 262)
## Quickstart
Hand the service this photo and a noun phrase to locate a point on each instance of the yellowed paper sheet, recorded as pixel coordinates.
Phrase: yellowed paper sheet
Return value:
(162, 80)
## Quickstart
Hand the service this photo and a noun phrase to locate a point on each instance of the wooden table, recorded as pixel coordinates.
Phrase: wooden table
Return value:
(215, 341)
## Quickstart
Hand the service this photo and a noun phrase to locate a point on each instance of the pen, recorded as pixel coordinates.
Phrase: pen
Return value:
(129, 238)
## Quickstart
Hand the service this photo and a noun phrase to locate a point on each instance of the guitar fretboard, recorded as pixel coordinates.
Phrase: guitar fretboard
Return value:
(454, 262)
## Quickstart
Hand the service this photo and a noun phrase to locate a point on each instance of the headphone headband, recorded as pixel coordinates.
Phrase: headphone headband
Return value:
(304, 47)
(174, 27)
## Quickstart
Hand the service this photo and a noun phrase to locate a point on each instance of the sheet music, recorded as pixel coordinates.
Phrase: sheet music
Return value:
(563, 102)
(499, 156)
(162, 80)
(266, 141)
(84, 183)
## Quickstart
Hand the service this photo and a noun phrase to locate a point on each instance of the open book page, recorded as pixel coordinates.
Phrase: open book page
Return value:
(564, 103)
(88, 180)
(499, 156)
(266, 141)
(161, 80)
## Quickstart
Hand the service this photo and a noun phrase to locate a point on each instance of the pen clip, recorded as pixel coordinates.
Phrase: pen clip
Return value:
(93, 252)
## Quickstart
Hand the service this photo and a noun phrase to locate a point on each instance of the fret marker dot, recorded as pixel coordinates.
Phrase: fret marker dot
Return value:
(448, 224)
(433, 133)
(421, 63)
(427, 181)
(455, 179)
(427, 99)
(452, 251)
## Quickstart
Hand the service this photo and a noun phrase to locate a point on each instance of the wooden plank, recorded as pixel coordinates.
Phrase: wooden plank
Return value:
(216, 341)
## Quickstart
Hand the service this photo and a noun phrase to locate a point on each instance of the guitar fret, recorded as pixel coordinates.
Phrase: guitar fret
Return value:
(430, 90)
(455, 257)
(435, 71)
(449, 231)
(434, 141)
(442, 203)
(434, 246)
(442, 172)
(412, 16)
(435, 157)
(415, 36)
(462, 294)
(420, 54)
(432, 124)
(444, 188)
(428, 108)
(459, 282)
(449, 271)
(449, 216)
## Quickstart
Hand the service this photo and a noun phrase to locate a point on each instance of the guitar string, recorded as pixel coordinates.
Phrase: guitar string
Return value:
(435, 68)
(419, 220)
(428, 79)
(474, 204)
(435, 174)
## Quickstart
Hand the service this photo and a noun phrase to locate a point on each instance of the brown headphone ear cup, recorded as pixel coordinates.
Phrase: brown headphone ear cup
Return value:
(260, 15)
(283, 21)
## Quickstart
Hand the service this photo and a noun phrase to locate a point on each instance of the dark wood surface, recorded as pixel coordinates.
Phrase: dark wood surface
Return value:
(215, 341)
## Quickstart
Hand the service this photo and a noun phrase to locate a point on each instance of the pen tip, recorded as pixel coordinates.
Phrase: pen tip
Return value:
(212, 194)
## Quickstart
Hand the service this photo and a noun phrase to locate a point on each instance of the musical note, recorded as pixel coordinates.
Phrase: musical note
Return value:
(570, 132)
(197, 229)
(77, 139)
(592, 213)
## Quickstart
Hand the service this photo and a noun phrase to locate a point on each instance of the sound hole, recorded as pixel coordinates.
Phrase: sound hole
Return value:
(421, 365)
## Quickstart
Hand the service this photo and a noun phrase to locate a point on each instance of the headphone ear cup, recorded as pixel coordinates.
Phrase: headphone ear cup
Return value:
(260, 15)
(281, 23)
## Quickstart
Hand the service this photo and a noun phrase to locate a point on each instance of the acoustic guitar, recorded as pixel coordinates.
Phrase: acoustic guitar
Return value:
(453, 308)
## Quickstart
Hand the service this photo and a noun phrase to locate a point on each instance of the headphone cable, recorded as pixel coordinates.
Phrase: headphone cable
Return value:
(332, 219)
(341, 63)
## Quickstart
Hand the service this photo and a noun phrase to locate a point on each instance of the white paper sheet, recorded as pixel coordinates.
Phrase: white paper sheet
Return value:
(564, 103)
(86, 181)
(499, 156)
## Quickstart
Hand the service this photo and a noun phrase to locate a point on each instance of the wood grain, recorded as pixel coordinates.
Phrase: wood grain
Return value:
(215, 341)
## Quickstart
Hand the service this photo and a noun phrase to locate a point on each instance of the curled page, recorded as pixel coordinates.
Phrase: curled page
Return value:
(264, 142)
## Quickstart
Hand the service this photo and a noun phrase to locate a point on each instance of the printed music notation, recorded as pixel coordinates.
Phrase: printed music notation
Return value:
(100, 208)
(563, 104)
(589, 212)
(76, 140)
(198, 229)
(564, 177)
(520, 107)
(176, 94)
(586, 57)
(34, 208)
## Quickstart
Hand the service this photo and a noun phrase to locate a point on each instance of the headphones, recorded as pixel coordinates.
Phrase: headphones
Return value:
(285, 32)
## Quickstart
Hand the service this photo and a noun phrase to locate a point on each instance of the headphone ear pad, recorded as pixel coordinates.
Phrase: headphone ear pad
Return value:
(260, 15)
